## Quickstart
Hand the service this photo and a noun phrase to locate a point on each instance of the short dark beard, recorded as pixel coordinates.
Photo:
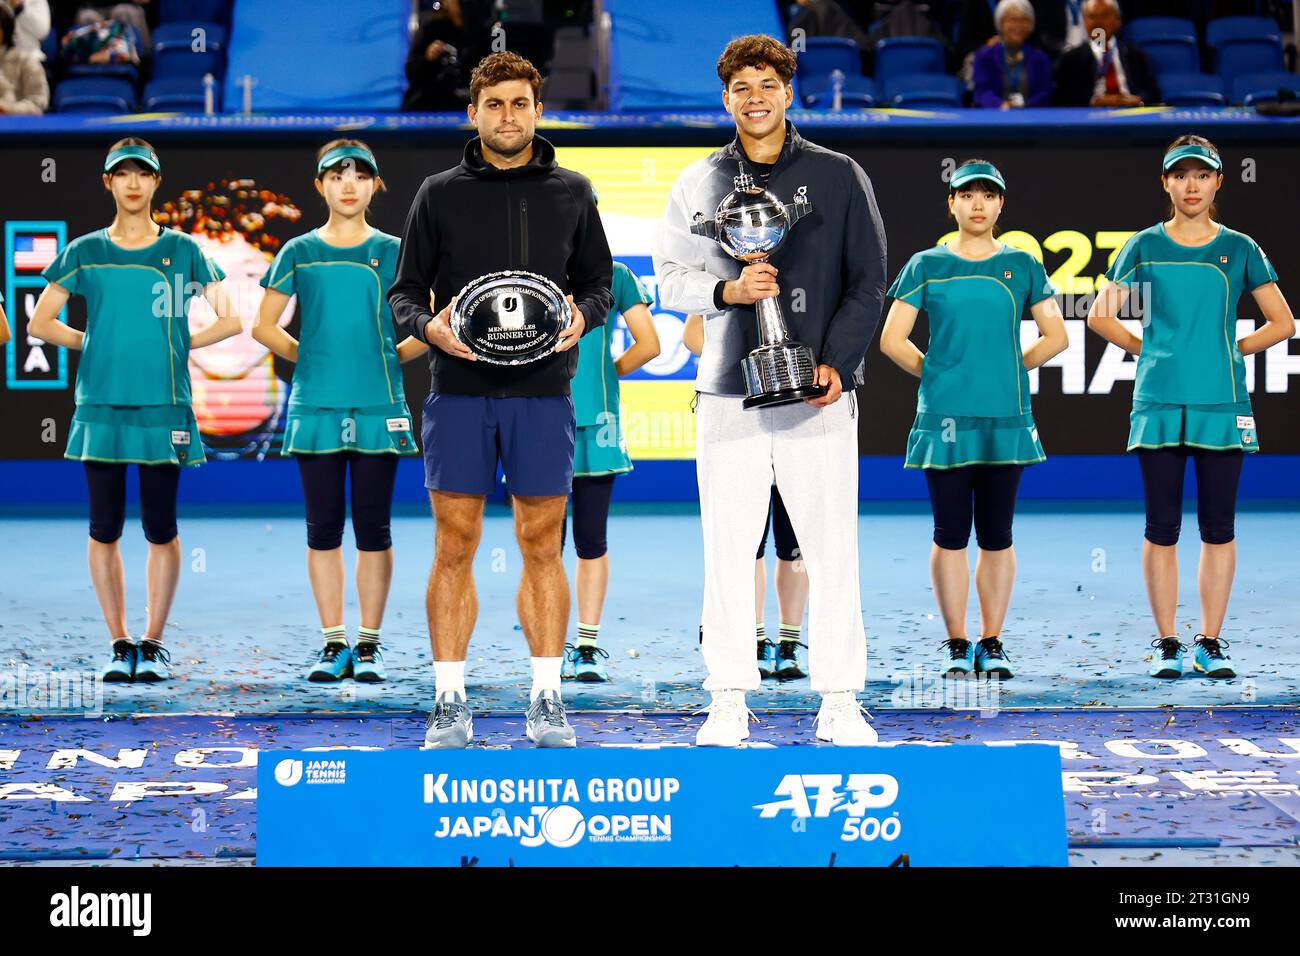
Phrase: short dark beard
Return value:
(508, 154)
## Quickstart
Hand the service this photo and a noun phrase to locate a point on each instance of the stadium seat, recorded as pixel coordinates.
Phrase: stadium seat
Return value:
(922, 90)
(50, 46)
(89, 94)
(1244, 45)
(1251, 88)
(183, 94)
(212, 11)
(1223, 29)
(1192, 89)
(1173, 55)
(174, 53)
(818, 92)
(104, 71)
(1239, 57)
(826, 54)
(1146, 29)
(907, 56)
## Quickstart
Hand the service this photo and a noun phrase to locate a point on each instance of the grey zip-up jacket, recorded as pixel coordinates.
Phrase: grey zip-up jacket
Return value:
(831, 267)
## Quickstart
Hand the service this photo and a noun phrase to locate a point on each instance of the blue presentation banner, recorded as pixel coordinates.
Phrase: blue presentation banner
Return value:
(813, 806)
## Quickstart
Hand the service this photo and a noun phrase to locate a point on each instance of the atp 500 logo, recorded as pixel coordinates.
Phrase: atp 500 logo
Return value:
(818, 795)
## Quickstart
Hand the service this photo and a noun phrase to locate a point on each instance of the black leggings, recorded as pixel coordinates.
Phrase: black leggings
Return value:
(787, 546)
(1217, 475)
(590, 516)
(106, 483)
(373, 477)
(986, 493)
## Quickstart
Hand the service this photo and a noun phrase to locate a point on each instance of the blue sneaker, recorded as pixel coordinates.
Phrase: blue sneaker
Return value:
(1167, 661)
(766, 659)
(152, 663)
(991, 659)
(121, 669)
(957, 657)
(368, 662)
(1210, 658)
(333, 663)
(586, 663)
(568, 663)
(788, 665)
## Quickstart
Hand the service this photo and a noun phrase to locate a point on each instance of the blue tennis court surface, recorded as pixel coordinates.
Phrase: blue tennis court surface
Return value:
(1204, 767)
(167, 787)
(244, 627)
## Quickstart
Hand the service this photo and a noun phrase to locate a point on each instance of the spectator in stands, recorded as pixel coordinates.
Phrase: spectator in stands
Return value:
(1012, 73)
(433, 63)
(1058, 24)
(1112, 73)
(136, 15)
(31, 24)
(24, 89)
(826, 18)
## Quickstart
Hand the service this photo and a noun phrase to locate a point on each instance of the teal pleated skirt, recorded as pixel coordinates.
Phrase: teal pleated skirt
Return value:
(600, 450)
(1226, 427)
(136, 434)
(372, 430)
(953, 441)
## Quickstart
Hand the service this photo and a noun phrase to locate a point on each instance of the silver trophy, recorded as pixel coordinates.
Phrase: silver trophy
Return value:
(511, 317)
(750, 223)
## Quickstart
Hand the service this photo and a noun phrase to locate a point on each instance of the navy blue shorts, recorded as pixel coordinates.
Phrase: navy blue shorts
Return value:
(464, 436)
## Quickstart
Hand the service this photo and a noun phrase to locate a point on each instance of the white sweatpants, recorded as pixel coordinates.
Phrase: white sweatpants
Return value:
(812, 453)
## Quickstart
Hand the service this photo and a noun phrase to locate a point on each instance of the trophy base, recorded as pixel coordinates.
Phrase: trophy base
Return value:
(784, 396)
(779, 374)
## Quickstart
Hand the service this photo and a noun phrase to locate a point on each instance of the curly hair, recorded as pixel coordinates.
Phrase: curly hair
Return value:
(756, 50)
(498, 68)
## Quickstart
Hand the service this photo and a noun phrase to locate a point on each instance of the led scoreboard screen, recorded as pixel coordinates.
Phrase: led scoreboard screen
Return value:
(1072, 208)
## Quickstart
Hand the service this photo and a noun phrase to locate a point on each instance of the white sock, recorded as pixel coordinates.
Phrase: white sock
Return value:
(546, 674)
(449, 677)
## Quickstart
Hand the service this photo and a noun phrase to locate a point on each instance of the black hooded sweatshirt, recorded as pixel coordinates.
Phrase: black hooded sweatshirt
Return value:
(474, 219)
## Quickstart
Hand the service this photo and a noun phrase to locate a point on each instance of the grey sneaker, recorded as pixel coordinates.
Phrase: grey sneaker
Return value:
(547, 725)
(450, 725)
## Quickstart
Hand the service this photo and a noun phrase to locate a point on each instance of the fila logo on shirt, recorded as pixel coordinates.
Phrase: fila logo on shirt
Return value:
(166, 261)
(1223, 259)
(374, 263)
(1007, 274)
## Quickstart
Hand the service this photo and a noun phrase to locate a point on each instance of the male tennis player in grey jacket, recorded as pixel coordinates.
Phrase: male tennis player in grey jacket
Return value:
(830, 275)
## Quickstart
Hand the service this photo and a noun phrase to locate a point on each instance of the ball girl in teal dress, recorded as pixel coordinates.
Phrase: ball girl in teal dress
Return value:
(600, 456)
(974, 431)
(133, 403)
(1181, 280)
(347, 416)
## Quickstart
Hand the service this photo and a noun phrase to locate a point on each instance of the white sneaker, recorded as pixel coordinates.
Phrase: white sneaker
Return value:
(841, 722)
(728, 721)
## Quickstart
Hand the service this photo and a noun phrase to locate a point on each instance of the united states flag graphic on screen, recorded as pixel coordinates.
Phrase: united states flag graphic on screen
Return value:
(34, 252)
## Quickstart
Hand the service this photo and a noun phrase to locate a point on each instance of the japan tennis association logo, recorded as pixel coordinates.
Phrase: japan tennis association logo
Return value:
(510, 314)
(288, 772)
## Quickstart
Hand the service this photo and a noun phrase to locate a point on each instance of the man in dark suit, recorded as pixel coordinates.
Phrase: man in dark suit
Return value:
(1104, 74)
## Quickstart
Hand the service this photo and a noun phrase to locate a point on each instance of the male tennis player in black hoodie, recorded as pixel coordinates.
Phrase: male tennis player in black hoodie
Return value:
(506, 206)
